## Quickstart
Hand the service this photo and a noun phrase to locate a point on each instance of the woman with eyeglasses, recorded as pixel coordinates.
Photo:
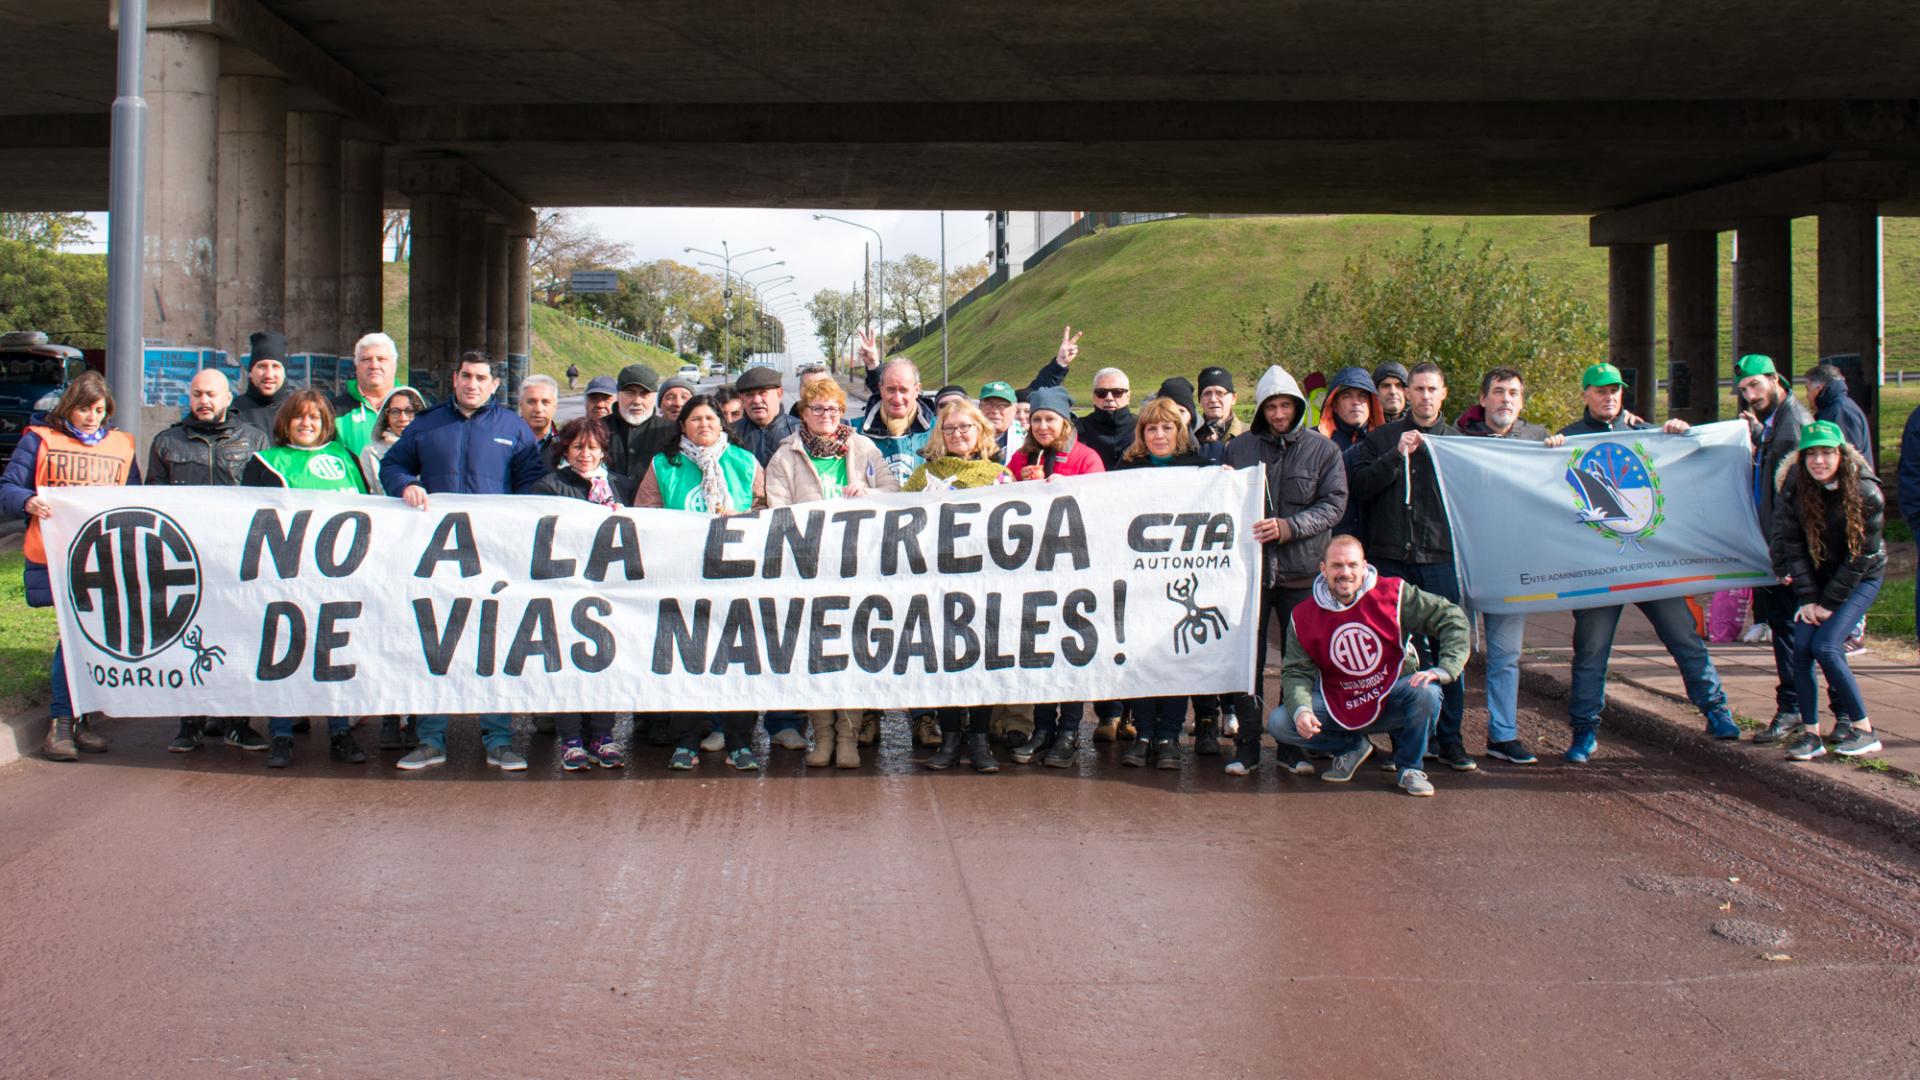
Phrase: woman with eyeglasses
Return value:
(961, 454)
(827, 459)
(706, 474)
(396, 412)
(1161, 439)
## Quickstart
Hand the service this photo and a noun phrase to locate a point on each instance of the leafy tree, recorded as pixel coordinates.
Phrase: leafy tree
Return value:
(1456, 303)
(563, 243)
(62, 294)
(52, 231)
(836, 315)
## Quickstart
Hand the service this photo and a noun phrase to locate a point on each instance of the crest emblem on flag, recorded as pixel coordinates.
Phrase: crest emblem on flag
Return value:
(1617, 492)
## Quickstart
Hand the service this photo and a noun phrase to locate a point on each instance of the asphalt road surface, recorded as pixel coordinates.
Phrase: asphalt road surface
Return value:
(197, 916)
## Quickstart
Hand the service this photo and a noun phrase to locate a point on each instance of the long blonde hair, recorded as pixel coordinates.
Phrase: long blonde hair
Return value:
(985, 445)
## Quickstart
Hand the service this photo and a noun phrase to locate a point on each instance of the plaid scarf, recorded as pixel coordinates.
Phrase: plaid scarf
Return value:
(828, 446)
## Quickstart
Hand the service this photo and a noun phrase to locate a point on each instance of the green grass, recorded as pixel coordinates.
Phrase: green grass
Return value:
(1160, 299)
(557, 339)
(28, 634)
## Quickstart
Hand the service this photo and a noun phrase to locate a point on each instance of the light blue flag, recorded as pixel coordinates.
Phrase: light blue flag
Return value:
(1613, 518)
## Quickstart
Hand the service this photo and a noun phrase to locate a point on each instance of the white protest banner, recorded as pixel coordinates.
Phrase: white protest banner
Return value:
(1612, 518)
(181, 600)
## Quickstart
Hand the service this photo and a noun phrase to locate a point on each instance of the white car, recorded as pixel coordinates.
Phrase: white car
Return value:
(689, 371)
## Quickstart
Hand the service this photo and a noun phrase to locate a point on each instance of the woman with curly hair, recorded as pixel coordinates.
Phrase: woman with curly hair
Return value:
(1827, 546)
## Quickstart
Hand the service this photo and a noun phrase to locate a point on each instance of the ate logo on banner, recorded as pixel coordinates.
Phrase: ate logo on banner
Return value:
(1356, 649)
(135, 581)
(1617, 492)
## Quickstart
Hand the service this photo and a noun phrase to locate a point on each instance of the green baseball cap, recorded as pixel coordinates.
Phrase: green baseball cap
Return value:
(1754, 364)
(997, 389)
(1821, 433)
(1601, 374)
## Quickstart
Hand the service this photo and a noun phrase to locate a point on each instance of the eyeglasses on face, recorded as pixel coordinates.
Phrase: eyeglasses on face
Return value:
(961, 429)
(825, 410)
(400, 410)
(1111, 391)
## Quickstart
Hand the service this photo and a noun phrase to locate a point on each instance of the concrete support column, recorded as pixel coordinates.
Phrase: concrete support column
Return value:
(1850, 298)
(519, 307)
(433, 283)
(183, 151)
(250, 249)
(362, 217)
(313, 233)
(1693, 326)
(1630, 320)
(1763, 290)
(472, 240)
(496, 241)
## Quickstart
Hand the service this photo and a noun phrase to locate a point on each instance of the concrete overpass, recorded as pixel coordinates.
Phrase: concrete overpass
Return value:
(279, 127)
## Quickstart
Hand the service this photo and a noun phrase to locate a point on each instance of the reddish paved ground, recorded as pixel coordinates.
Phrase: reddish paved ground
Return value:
(199, 917)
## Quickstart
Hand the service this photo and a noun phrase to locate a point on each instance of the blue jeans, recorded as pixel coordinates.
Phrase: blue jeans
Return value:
(1593, 643)
(1159, 718)
(1826, 645)
(1506, 636)
(283, 725)
(62, 706)
(1407, 715)
(496, 729)
(777, 720)
(1439, 579)
(1777, 605)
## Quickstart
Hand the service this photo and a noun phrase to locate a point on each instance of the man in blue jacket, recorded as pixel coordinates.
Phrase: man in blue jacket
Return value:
(1827, 399)
(467, 445)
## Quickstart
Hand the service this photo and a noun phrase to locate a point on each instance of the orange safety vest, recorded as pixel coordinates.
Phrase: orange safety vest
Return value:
(65, 461)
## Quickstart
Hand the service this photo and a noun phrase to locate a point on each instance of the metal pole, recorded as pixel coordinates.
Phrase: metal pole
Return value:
(126, 220)
(944, 377)
(866, 286)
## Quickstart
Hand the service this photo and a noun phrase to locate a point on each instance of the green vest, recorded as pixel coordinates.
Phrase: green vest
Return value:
(679, 480)
(328, 468)
(354, 428)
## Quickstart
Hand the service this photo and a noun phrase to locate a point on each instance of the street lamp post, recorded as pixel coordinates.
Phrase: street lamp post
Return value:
(726, 257)
(879, 280)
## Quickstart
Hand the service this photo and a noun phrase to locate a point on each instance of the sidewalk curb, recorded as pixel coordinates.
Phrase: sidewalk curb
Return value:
(1868, 799)
(21, 733)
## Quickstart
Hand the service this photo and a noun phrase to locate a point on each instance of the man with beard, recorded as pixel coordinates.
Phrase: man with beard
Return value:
(1604, 392)
(1328, 706)
(1390, 384)
(209, 447)
(1774, 419)
(266, 378)
(1306, 491)
(638, 434)
(1108, 429)
(1407, 530)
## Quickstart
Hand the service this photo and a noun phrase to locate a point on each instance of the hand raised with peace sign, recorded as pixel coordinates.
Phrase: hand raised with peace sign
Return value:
(866, 348)
(1069, 348)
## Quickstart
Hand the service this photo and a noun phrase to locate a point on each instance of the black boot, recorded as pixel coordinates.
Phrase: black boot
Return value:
(302, 725)
(390, 737)
(1136, 754)
(1206, 737)
(342, 747)
(1166, 753)
(949, 753)
(1060, 754)
(979, 748)
(280, 752)
(192, 730)
(1034, 746)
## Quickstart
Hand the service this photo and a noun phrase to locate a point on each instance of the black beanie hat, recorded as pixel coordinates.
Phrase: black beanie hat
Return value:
(1216, 376)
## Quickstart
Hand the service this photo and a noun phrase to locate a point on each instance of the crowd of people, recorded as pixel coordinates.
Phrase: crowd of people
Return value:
(1354, 538)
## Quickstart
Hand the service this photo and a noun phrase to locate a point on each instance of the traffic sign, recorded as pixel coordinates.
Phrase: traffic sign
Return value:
(596, 281)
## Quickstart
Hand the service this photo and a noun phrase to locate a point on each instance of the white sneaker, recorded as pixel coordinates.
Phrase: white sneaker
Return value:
(715, 742)
(789, 739)
(1237, 767)
(1415, 782)
(1757, 634)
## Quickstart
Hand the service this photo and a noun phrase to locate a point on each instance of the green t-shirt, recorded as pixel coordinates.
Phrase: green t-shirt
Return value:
(833, 475)
(354, 428)
(325, 468)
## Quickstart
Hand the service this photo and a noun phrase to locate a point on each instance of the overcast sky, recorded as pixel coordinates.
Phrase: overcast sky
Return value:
(819, 254)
